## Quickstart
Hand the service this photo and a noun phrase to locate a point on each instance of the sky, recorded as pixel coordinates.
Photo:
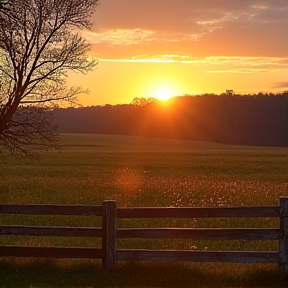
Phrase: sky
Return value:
(162, 48)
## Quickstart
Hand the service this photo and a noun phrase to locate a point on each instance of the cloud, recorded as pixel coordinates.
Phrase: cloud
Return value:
(283, 85)
(237, 18)
(134, 36)
(157, 59)
(185, 18)
(118, 36)
(196, 28)
(248, 64)
(215, 64)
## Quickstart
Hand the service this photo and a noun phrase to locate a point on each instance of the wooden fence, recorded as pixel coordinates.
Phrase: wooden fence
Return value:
(109, 233)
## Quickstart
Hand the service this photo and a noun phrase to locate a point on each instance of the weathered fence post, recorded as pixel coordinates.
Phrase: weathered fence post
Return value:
(283, 245)
(109, 227)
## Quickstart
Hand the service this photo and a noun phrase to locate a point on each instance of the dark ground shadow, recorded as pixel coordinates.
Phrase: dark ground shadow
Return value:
(15, 273)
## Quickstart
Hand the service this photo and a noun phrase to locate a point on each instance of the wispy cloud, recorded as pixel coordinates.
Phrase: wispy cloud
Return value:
(215, 64)
(183, 20)
(157, 59)
(215, 19)
(283, 85)
(118, 36)
(248, 64)
(134, 36)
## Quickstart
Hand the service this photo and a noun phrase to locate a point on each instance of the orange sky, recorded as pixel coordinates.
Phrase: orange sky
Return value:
(185, 47)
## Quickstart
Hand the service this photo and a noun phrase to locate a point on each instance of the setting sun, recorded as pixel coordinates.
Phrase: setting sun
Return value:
(156, 57)
(164, 94)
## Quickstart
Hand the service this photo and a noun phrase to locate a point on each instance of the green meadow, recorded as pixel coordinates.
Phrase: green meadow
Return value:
(137, 172)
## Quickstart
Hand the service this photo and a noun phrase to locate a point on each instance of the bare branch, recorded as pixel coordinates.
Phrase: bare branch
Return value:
(38, 46)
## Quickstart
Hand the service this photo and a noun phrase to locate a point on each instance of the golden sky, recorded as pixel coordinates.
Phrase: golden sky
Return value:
(185, 47)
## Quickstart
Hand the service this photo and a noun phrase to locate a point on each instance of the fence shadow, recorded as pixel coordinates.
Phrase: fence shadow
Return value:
(32, 273)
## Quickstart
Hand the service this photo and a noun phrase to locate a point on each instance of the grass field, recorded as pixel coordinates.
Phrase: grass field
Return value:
(142, 172)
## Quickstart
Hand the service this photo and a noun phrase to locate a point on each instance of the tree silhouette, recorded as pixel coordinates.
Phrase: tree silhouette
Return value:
(231, 119)
(39, 44)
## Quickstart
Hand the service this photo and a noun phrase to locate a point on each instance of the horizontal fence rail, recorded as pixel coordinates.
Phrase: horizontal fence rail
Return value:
(199, 256)
(50, 252)
(211, 212)
(201, 233)
(71, 210)
(51, 231)
(109, 233)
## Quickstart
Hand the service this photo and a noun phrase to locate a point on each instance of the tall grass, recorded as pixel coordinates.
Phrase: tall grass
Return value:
(138, 171)
(147, 172)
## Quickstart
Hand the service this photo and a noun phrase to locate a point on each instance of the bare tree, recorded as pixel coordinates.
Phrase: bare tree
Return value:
(39, 43)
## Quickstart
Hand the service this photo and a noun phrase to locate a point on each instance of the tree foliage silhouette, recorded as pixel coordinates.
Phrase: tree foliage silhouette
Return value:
(40, 42)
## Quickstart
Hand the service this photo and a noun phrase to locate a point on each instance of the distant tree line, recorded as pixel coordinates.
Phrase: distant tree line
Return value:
(260, 119)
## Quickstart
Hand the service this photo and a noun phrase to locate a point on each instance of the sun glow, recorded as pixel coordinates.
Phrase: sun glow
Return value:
(163, 94)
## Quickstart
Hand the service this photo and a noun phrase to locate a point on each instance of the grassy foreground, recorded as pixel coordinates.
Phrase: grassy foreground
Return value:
(142, 172)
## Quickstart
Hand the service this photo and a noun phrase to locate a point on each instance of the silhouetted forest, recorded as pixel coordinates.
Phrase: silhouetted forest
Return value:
(260, 119)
